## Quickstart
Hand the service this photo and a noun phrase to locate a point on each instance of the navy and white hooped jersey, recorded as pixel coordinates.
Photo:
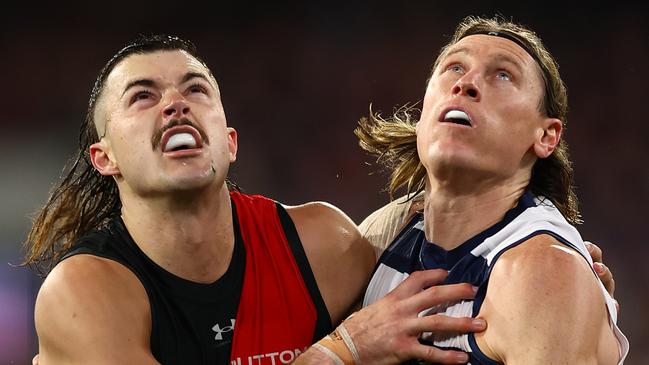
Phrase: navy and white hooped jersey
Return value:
(472, 261)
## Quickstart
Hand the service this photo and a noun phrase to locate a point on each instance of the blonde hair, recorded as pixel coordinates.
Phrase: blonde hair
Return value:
(393, 140)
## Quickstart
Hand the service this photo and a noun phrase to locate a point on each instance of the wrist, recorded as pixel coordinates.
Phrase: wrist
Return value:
(339, 347)
(313, 356)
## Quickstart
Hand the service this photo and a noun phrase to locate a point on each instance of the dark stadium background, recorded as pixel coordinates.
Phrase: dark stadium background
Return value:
(294, 81)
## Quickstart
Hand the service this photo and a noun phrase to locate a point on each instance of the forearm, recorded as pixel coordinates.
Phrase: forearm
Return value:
(386, 332)
(313, 356)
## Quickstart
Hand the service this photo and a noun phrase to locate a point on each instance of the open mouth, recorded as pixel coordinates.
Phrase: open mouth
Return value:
(457, 117)
(181, 138)
(179, 142)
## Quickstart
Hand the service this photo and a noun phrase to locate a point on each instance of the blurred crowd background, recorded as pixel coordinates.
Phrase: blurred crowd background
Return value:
(294, 80)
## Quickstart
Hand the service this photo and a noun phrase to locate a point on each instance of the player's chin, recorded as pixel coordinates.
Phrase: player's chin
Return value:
(194, 179)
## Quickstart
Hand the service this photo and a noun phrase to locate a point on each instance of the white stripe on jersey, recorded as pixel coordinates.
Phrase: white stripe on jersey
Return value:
(542, 217)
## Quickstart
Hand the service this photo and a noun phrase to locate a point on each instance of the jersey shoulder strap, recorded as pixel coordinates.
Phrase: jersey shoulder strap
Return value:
(276, 313)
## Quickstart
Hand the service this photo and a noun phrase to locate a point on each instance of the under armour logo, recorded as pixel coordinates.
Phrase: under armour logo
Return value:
(219, 331)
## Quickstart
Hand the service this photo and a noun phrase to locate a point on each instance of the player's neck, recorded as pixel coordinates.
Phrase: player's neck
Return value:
(452, 215)
(191, 237)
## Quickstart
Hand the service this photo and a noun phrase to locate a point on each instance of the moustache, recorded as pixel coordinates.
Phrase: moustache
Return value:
(157, 136)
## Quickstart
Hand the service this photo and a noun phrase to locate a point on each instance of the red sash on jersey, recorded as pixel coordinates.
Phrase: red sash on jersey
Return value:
(276, 315)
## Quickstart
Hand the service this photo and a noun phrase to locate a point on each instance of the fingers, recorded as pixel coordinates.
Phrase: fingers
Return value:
(418, 281)
(594, 251)
(439, 323)
(435, 355)
(398, 314)
(606, 276)
(438, 295)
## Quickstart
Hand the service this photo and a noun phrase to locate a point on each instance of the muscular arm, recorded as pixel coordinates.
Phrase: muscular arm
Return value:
(544, 306)
(341, 259)
(387, 332)
(93, 311)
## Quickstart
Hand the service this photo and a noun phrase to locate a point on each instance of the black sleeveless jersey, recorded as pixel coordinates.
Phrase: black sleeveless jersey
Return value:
(192, 323)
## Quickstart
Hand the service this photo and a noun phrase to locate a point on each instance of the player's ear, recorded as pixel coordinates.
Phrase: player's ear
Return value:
(548, 137)
(102, 159)
(232, 144)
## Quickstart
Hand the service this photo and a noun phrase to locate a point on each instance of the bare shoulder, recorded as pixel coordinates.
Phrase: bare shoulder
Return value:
(324, 227)
(544, 257)
(381, 226)
(341, 259)
(543, 295)
(87, 308)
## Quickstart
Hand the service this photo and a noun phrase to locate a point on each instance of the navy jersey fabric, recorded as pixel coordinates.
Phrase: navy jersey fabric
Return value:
(471, 262)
